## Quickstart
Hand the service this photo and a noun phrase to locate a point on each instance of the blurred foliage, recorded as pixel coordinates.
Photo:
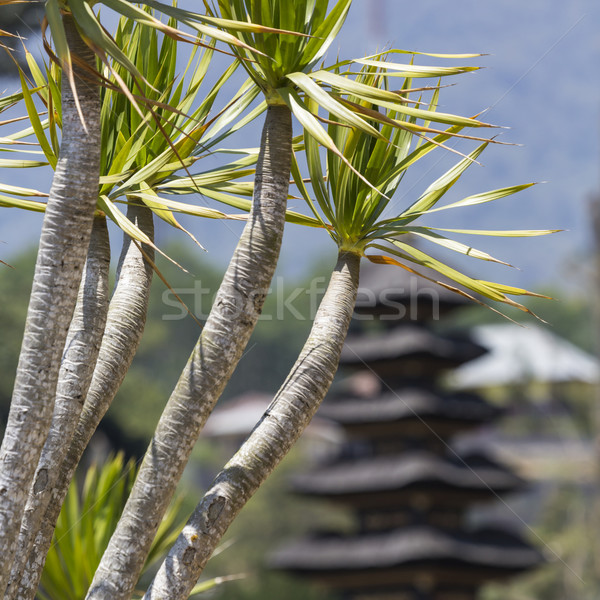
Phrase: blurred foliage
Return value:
(171, 333)
(168, 340)
(567, 520)
(568, 526)
(15, 286)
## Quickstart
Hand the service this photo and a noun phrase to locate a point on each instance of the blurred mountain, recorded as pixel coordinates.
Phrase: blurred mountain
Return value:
(23, 19)
(539, 78)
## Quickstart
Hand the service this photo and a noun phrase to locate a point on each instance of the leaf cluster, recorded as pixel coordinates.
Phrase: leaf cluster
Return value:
(352, 194)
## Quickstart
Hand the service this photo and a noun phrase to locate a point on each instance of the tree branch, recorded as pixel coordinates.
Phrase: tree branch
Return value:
(124, 327)
(231, 321)
(280, 427)
(79, 360)
(63, 249)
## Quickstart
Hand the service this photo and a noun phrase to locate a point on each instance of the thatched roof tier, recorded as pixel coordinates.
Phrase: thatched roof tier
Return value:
(409, 480)
(404, 557)
(409, 412)
(420, 512)
(408, 351)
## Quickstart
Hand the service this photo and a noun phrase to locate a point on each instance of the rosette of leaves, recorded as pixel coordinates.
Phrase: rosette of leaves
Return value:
(357, 216)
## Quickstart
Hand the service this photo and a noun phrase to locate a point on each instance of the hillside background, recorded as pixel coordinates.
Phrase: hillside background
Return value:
(540, 78)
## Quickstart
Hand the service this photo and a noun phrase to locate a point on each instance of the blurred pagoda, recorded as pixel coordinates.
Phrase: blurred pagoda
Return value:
(397, 471)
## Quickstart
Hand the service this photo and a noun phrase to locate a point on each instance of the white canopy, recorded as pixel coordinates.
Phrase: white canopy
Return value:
(524, 354)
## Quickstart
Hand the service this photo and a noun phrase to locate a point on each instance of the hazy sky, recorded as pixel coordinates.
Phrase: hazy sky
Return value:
(540, 79)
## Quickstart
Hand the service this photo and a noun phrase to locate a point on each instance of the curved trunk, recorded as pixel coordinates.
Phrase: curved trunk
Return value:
(81, 353)
(63, 248)
(280, 427)
(124, 327)
(231, 321)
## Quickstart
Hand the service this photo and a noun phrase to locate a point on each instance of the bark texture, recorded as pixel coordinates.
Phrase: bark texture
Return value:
(231, 321)
(62, 253)
(124, 327)
(280, 427)
(79, 360)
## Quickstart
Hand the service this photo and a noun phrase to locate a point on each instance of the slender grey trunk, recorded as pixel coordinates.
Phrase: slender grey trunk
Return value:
(231, 321)
(124, 327)
(280, 427)
(63, 248)
(79, 360)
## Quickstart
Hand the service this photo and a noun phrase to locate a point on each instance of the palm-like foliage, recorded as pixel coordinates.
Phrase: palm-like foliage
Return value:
(86, 522)
(103, 44)
(139, 151)
(143, 150)
(83, 529)
(355, 214)
(144, 147)
(271, 57)
(284, 69)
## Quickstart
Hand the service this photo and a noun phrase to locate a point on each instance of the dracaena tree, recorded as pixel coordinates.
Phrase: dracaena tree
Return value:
(138, 140)
(146, 129)
(282, 67)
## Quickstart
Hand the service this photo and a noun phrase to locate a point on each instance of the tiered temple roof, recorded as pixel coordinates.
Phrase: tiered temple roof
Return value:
(385, 480)
(404, 557)
(398, 471)
(408, 351)
(409, 412)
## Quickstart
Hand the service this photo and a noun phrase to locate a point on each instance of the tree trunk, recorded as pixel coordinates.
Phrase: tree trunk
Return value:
(280, 427)
(231, 321)
(63, 248)
(79, 360)
(124, 327)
